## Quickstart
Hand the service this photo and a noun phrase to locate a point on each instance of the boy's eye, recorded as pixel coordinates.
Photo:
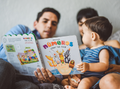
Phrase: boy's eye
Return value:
(82, 32)
(80, 24)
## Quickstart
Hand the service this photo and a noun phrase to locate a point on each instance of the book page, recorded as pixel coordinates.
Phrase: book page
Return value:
(22, 53)
(60, 54)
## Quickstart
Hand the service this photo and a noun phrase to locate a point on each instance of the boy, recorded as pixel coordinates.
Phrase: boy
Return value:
(96, 31)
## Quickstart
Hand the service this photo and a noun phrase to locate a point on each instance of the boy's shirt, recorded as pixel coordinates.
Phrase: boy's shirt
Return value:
(114, 55)
(92, 56)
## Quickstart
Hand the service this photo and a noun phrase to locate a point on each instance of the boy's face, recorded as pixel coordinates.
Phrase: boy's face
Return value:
(87, 35)
(46, 25)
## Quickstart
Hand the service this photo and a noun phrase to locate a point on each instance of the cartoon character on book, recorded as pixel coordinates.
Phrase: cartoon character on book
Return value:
(64, 67)
(29, 56)
(53, 64)
(55, 57)
(67, 56)
(61, 56)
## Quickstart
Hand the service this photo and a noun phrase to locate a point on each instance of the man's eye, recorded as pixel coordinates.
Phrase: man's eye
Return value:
(54, 24)
(44, 21)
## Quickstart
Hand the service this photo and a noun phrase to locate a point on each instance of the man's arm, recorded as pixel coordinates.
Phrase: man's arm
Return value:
(19, 29)
(110, 43)
(82, 46)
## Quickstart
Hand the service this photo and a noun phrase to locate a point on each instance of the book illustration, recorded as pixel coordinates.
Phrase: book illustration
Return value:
(22, 52)
(55, 56)
(10, 48)
(66, 55)
(61, 56)
(29, 56)
(53, 64)
(72, 64)
(65, 66)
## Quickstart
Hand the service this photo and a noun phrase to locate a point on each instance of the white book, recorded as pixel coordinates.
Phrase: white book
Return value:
(60, 54)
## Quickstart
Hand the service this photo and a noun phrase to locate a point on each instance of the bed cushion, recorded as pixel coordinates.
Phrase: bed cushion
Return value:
(115, 36)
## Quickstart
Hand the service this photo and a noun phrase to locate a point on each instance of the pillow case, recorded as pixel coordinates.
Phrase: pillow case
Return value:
(115, 36)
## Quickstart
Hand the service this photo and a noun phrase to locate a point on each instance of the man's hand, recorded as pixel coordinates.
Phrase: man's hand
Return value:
(44, 75)
(83, 67)
(113, 68)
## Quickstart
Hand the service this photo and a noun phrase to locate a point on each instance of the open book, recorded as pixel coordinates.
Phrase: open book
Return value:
(60, 54)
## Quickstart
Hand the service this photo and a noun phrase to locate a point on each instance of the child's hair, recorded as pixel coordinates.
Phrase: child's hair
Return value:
(100, 25)
(86, 13)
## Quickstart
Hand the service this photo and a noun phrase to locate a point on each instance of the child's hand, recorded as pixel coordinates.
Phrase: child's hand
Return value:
(69, 87)
(83, 67)
(74, 80)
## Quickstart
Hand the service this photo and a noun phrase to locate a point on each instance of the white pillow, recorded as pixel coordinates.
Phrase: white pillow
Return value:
(115, 36)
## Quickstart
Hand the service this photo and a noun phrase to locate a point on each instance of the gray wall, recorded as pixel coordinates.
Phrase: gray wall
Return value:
(13, 12)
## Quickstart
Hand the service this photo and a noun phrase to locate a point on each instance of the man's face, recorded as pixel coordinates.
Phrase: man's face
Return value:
(80, 23)
(47, 25)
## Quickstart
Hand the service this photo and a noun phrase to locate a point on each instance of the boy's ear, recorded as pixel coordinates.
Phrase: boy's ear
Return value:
(34, 24)
(94, 36)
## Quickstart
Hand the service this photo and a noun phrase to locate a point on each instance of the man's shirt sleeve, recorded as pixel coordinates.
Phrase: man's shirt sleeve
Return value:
(19, 29)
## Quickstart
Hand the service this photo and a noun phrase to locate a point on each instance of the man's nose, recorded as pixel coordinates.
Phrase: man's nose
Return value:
(49, 24)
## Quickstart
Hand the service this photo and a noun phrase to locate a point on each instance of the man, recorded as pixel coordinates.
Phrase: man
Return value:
(45, 27)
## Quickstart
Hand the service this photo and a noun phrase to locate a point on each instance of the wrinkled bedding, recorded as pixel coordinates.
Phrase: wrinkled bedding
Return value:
(115, 36)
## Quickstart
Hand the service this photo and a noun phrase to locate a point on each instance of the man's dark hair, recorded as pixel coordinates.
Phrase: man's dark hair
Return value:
(86, 13)
(48, 9)
(100, 25)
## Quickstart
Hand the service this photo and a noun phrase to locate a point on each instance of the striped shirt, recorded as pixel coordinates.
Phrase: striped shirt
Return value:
(92, 56)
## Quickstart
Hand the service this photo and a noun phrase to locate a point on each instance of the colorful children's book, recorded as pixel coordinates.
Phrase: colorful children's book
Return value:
(59, 54)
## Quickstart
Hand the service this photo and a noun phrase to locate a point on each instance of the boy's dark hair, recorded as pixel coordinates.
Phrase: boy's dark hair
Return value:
(100, 25)
(87, 13)
(48, 9)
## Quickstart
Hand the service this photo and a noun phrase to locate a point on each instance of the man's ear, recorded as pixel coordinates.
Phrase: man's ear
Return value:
(34, 24)
(94, 36)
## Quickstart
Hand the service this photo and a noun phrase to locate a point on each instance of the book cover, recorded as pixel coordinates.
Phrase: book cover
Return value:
(22, 53)
(60, 54)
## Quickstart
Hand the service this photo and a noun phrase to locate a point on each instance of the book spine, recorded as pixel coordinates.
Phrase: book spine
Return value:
(42, 62)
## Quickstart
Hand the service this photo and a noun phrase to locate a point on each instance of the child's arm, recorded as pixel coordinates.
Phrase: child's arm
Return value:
(102, 65)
